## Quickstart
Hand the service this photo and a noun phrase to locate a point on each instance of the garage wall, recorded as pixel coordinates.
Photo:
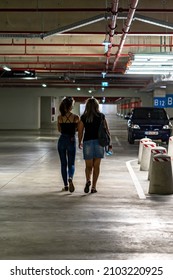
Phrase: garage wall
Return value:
(19, 111)
(20, 108)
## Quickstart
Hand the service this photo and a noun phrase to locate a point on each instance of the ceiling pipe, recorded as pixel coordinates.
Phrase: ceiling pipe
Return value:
(84, 45)
(36, 10)
(114, 11)
(138, 33)
(133, 6)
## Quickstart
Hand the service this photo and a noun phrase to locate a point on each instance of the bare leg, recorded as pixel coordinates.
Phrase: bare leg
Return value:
(88, 169)
(96, 171)
(88, 173)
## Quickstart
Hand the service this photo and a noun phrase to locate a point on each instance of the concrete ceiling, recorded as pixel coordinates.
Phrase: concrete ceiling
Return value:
(62, 41)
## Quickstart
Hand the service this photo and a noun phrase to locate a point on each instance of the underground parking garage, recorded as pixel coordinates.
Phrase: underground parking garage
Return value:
(88, 49)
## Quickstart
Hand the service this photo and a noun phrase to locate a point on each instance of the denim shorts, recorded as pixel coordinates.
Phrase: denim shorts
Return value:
(92, 149)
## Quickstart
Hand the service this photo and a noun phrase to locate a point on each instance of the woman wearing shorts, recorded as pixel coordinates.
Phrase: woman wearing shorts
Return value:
(88, 134)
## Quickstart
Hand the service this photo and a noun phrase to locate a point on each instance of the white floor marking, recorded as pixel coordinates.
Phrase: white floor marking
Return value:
(117, 141)
(135, 180)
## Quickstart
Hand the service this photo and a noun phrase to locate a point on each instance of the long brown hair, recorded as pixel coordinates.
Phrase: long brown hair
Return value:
(91, 109)
(66, 105)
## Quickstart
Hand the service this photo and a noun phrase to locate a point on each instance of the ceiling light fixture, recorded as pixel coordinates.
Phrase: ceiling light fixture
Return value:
(6, 68)
(151, 64)
(104, 74)
(106, 43)
(27, 72)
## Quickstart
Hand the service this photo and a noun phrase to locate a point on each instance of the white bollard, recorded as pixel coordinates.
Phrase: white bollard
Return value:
(154, 151)
(161, 176)
(146, 154)
(143, 140)
(170, 146)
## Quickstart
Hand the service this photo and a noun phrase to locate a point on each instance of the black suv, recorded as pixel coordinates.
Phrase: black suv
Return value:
(150, 122)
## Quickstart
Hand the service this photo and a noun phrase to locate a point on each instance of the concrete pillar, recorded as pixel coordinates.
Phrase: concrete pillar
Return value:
(154, 151)
(170, 146)
(146, 154)
(143, 140)
(161, 176)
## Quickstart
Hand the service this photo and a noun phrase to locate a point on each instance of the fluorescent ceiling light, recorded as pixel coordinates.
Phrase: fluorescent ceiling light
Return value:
(27, 72)
(29, 78)
(148, 67)
(146, 72)
(148, 56)
(152, 64)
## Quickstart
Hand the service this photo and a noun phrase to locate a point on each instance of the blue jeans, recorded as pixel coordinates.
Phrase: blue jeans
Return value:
(67, 151)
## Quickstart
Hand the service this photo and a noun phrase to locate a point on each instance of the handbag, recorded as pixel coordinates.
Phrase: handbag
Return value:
(103, 136)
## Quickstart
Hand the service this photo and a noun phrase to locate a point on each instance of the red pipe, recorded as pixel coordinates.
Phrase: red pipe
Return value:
(50, 45)
(56, 62)
(53, 54)
(80, 45)
(112, 27)
(133, 5)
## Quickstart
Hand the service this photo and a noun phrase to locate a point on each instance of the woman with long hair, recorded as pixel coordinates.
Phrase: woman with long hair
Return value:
(88, 140)
(67, 125)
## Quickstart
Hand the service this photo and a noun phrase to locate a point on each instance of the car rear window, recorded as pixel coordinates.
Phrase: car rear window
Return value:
(146, 113)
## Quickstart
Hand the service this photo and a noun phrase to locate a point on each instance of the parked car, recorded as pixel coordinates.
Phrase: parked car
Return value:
(149, 122)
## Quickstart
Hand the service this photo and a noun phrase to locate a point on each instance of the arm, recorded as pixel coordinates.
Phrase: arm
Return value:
(107, 129)
(76, 120)
(80, 133)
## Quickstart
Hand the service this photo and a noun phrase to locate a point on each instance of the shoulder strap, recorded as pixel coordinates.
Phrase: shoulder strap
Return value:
(68, 118)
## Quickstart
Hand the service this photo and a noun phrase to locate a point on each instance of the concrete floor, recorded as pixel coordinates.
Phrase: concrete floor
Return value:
(38, 221)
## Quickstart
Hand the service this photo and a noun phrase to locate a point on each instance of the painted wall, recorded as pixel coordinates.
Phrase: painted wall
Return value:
(19, 111)
(21, 108)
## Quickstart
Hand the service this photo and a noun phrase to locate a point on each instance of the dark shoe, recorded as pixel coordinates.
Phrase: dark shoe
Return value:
(87, 187)
(65, 189)
(71, 186)
(93, 190)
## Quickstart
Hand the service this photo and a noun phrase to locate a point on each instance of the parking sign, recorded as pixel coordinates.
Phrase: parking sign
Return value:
(159, 102)
(169, 100)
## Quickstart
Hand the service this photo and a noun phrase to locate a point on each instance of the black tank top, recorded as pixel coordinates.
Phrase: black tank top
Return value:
(67, 127)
